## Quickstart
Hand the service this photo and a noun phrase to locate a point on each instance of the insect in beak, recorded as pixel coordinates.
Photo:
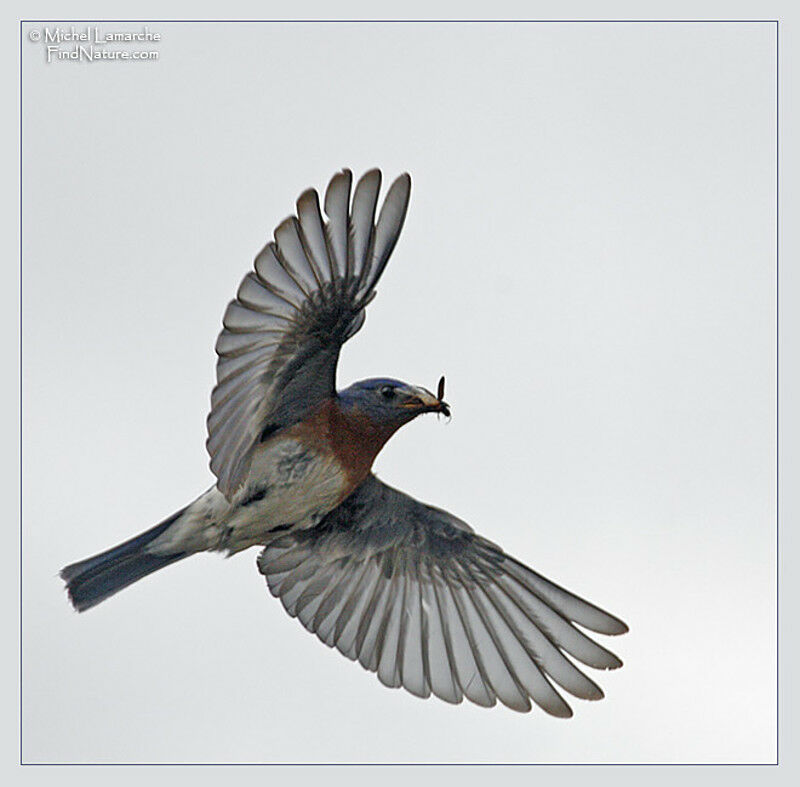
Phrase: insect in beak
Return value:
(444, 408)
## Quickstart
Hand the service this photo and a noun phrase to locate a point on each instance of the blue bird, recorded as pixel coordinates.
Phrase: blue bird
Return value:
(408, 590)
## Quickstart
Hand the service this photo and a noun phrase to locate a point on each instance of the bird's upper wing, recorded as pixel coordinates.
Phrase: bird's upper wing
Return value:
(415, 595)
(283, 332)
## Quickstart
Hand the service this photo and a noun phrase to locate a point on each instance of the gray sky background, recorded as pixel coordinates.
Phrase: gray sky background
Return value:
(589, 257)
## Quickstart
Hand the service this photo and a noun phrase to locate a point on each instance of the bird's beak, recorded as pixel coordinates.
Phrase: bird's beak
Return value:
(424, 401)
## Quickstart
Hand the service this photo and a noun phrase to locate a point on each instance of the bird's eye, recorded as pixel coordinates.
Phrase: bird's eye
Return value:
(387, 391)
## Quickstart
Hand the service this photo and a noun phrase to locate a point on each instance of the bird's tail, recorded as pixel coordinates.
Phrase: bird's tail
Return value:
(94, 579)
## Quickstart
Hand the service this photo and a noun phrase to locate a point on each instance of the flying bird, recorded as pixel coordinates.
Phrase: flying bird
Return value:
(408, 590)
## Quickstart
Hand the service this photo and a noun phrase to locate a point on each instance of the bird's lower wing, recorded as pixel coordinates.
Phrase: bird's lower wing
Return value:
(412, 593)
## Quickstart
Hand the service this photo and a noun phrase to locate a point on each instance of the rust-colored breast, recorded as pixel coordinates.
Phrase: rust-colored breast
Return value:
(352, 438)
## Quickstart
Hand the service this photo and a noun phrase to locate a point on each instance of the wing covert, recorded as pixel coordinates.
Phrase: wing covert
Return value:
(415, 595)
(306, 296)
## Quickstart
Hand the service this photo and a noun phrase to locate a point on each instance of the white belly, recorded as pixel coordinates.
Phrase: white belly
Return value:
(288, 486)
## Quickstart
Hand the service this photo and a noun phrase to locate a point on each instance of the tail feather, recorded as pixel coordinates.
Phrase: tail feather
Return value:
(94, 579)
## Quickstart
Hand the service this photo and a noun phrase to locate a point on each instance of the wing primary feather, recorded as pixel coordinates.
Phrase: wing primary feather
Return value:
(525, 667)
(544, 654)
(513, 695)
(289, 268)
(387, 230)
(337, 205)
(490, 697)
(362, 222)
(403, 621)
(447, 636)
(560, 631)
(391, 597)
(424, 631)
(288, 236)
(313, 233)
(310, 255)
(410, 658)
(568, 604)
(364, 295)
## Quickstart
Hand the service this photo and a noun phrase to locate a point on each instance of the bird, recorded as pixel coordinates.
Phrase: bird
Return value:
(408, 590)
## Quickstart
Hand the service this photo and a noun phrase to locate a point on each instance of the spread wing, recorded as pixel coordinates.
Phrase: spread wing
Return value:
(415, 595)
(306, 297)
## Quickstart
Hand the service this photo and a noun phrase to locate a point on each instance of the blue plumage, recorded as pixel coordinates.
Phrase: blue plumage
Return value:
(389, 401)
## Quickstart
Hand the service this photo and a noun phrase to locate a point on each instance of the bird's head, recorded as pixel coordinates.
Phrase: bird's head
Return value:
(391, 402)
